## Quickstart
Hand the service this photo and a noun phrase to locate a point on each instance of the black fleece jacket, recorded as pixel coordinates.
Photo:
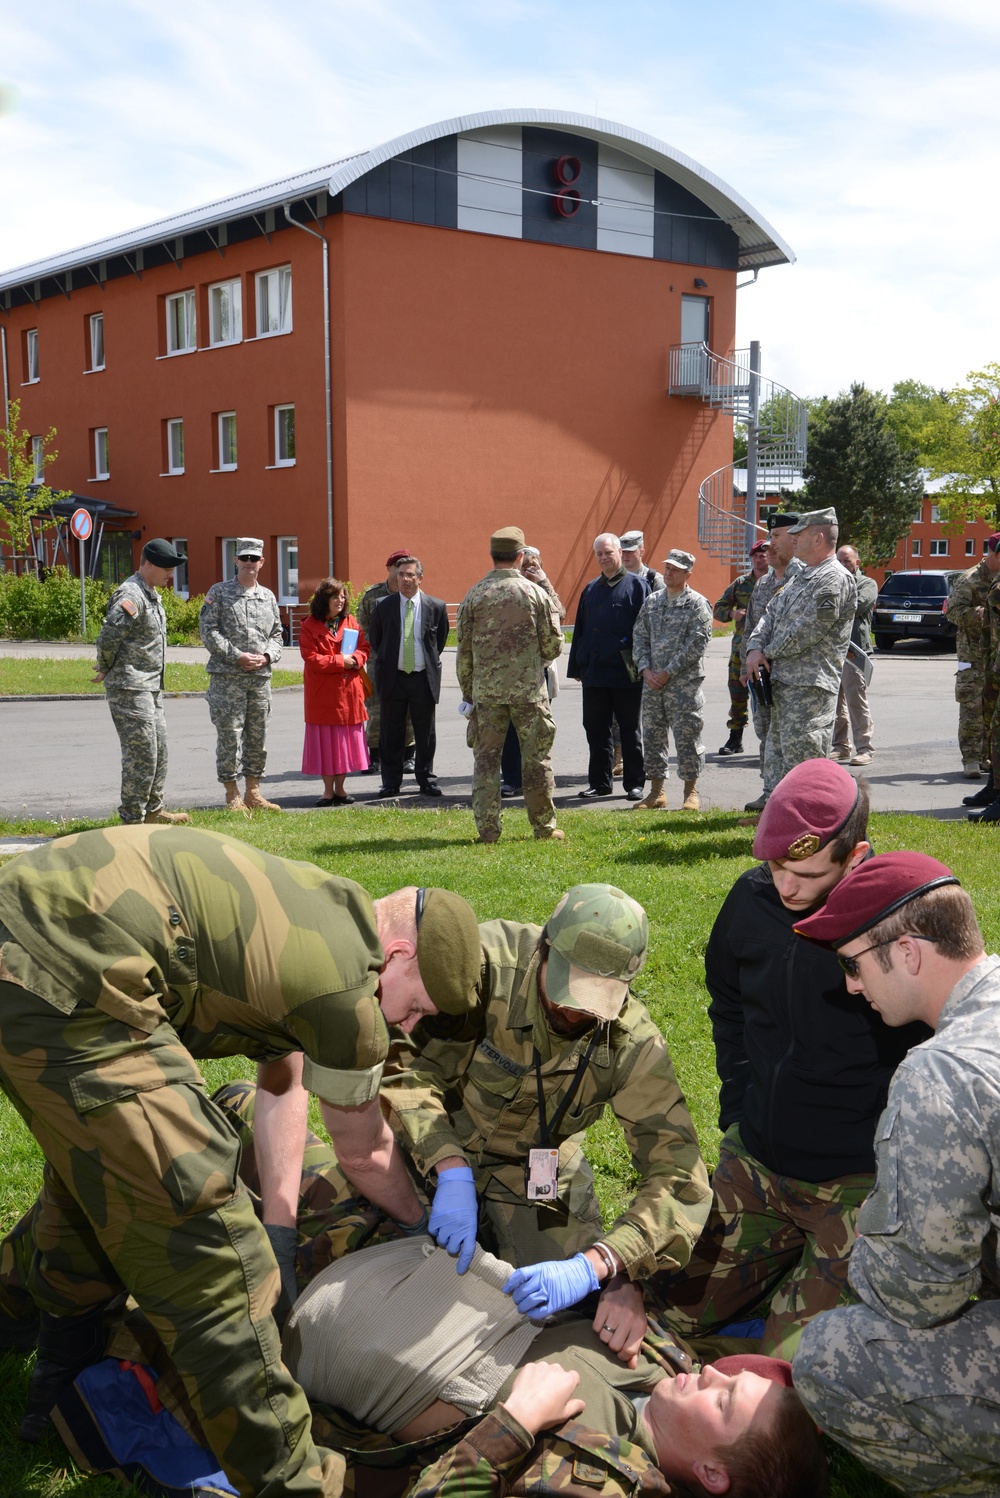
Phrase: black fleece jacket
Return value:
(804, 1065)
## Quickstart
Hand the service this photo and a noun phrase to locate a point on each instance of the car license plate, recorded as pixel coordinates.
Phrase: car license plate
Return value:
(906, 618)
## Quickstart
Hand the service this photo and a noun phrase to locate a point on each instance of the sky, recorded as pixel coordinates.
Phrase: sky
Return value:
(862, 130)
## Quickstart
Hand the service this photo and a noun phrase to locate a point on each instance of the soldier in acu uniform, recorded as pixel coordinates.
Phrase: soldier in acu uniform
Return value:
(783, 567)
(669, 642)
(732, 607)
(907, 1379)
(241, 629)
(966, 610)
(125, 954)
(131, 653)
(495, 1112)
(508, 631)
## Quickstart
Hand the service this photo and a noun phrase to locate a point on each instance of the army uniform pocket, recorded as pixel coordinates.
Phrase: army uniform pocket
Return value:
(880, 1210)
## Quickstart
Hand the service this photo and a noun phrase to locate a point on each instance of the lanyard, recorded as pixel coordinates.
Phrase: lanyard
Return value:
(545, 1130)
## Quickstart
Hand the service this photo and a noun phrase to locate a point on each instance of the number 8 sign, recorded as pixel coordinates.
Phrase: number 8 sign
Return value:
(567, 171)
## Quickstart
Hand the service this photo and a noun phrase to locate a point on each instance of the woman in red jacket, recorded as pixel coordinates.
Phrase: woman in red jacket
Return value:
(335, 697)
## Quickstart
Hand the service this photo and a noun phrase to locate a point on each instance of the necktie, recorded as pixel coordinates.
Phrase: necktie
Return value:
(409, 658)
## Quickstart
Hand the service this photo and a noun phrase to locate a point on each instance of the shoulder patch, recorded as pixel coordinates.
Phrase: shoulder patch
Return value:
(129, 607)
(210, 596)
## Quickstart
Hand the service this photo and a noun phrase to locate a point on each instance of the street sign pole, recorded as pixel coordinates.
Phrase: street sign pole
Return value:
(83, 587)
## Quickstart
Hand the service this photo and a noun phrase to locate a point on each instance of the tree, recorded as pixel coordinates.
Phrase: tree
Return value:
(929, 423)
(855, 464)
(23, 500)
(972, 469)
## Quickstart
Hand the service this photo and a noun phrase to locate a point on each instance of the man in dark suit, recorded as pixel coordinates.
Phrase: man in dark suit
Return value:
(408, 632)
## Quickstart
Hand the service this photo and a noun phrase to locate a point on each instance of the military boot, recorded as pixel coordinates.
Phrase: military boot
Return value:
(990, 814)
(234, 801)
(983, 797)
(655, 798)
(168, 818)
(734, 743)
(66, 1345)
(617, 766)
(758, 804)
(252, 798)
(691, 801)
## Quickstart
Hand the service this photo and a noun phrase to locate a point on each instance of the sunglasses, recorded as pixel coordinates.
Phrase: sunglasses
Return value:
(850, 964)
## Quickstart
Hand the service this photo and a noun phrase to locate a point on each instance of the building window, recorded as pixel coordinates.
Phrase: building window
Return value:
(38, 459)
(225, 313)
(229, 557)
(915, 545)
(182, 323)
(96, 340)
(288, 569)
(939, 548)
(179, 543)
(918, 518)
(284, 436)
(101, 469)
(175, 446)
(970, 548)
(935, 514)
(31, 356)
(226, 439)
(274, 301)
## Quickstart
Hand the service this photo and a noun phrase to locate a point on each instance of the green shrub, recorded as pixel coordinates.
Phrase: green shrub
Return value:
(48, 608)
(182, 617)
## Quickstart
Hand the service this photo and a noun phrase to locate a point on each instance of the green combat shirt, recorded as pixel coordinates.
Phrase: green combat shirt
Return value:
(488, 1077)
(241, 952)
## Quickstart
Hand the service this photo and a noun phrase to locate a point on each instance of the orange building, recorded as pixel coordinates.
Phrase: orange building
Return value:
(466, 327)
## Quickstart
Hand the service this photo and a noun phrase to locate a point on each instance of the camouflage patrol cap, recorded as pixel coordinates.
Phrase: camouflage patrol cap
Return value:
(449, 950)
(249, 546)
(677, 558)
(597, 938)
(815, 517)
(510, 540)
(631, 540)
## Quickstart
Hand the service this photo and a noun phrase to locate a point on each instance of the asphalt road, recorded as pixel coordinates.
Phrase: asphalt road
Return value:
(61, 759)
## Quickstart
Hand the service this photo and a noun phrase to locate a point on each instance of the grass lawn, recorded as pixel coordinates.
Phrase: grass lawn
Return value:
(679, 867)
(20, 678)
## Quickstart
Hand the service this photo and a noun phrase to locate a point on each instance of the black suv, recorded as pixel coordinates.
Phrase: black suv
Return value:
(913, 605)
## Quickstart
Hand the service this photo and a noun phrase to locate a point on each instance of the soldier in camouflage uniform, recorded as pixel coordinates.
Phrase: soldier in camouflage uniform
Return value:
(669, 642)
(803, 640)
(550, 1046)
(989, 796)
(241, 629)
(732, 606)
(508, 631)
(784, 565)
(907, 1379)
(131, 654)
(966, 609)
(366, 608)
(124, 954)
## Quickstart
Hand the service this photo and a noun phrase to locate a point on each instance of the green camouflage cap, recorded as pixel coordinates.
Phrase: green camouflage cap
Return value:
(815, 517)
(449, 952)
(598, 937)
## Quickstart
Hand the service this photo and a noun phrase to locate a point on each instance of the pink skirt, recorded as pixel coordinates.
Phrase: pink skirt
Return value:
(330, 750)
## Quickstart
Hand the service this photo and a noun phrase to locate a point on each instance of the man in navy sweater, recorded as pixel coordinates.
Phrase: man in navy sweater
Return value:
(600, 658)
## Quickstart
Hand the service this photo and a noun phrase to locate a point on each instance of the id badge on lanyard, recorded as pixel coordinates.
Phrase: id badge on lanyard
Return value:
(541, 1174)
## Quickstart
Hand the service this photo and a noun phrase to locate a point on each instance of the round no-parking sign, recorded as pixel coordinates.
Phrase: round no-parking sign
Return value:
(81, 524)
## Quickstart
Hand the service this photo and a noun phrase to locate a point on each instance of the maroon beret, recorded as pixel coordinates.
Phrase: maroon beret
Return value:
(993, 542)
(758, 546)
(805, 810)
(397, 556)
(872, 892)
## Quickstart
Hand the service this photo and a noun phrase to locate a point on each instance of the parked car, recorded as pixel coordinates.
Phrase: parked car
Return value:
(913, 605)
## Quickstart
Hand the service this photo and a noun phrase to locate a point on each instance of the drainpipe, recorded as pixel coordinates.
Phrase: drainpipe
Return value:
(326, 367)
(6, 383)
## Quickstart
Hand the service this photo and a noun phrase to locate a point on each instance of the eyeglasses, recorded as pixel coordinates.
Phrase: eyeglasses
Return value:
(850, 964)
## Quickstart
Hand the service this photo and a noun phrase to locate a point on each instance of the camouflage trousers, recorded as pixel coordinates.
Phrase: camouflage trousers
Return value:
(969, 686)
(773, 1246)
(801, 728)
(919, 1405)
(991, 721)
(140, 1191)
(142, 731)
(536, 731)
(524, 1232)
(679, 707)
(240, 706)
(374, 724)
(738, 694)
(853, 726)
(761, 727)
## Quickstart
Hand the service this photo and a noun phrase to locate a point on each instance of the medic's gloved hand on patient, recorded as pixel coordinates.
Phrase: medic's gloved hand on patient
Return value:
(544, 1289)
(455, 1214)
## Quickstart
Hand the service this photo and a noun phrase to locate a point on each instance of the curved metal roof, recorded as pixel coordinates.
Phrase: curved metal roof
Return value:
(760, 244)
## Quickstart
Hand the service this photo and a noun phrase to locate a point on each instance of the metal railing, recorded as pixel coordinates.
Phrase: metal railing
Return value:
(777, 431)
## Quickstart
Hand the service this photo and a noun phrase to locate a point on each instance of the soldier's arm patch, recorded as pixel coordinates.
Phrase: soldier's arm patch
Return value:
(129, 607)
(588, 1473)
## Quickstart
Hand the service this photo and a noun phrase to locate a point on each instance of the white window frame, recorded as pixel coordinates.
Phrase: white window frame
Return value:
(31, 356)
(186, 327)
(281, 458)
(175, 426)
(918, 518)
(96, 341)
(179, 543)
(102, 469)
(287, 546)
(970, 547)
(38, 459)
(939, 547)
(229, 557)
(274, 301)
(222, 429)
(216, 313)
(935, 514)
(915, 546)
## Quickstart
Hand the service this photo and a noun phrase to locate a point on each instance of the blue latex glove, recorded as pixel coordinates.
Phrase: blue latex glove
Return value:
(553, 1286)
(455, 1214)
